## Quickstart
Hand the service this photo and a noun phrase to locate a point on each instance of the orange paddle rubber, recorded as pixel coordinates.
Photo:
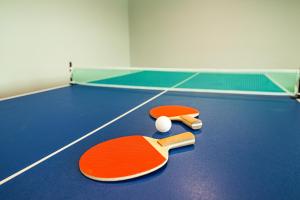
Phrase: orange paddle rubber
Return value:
(130, 156)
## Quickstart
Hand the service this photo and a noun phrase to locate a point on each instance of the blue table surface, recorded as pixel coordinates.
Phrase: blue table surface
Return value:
(248, 148)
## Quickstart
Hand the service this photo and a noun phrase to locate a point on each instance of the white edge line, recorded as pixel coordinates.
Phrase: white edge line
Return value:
(233, 70)
(119, 86)
(34, 92)
(78, 140)
(280, 86)
(185, 89)
(87, 135)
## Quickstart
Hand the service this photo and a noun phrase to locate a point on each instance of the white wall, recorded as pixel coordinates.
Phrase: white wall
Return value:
(215, 33)
(39, 37)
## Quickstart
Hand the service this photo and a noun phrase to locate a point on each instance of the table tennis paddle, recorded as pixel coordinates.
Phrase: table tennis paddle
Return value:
(129, 156)
(180, 113)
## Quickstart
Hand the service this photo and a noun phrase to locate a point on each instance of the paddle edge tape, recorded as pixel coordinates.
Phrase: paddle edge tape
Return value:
(162, 146)
(153, 143)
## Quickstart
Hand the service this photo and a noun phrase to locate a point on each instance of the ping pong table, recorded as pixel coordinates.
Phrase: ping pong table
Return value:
(248, 148)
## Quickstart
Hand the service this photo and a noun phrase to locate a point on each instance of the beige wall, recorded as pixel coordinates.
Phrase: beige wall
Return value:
(215, 33)
(39, 37)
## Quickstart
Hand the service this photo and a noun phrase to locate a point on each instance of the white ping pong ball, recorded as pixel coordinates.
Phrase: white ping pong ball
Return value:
(163, 124)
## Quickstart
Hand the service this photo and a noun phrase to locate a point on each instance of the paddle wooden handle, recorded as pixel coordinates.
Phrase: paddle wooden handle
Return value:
(179, 140)
(191, 121)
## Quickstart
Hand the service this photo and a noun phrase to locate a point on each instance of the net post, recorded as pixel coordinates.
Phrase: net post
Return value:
(298, 86)
(71, 71)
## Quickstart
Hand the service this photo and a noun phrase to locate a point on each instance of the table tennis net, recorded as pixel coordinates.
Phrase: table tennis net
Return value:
(272, 82)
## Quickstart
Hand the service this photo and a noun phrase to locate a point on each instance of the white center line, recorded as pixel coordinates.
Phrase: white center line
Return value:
(91, 133)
